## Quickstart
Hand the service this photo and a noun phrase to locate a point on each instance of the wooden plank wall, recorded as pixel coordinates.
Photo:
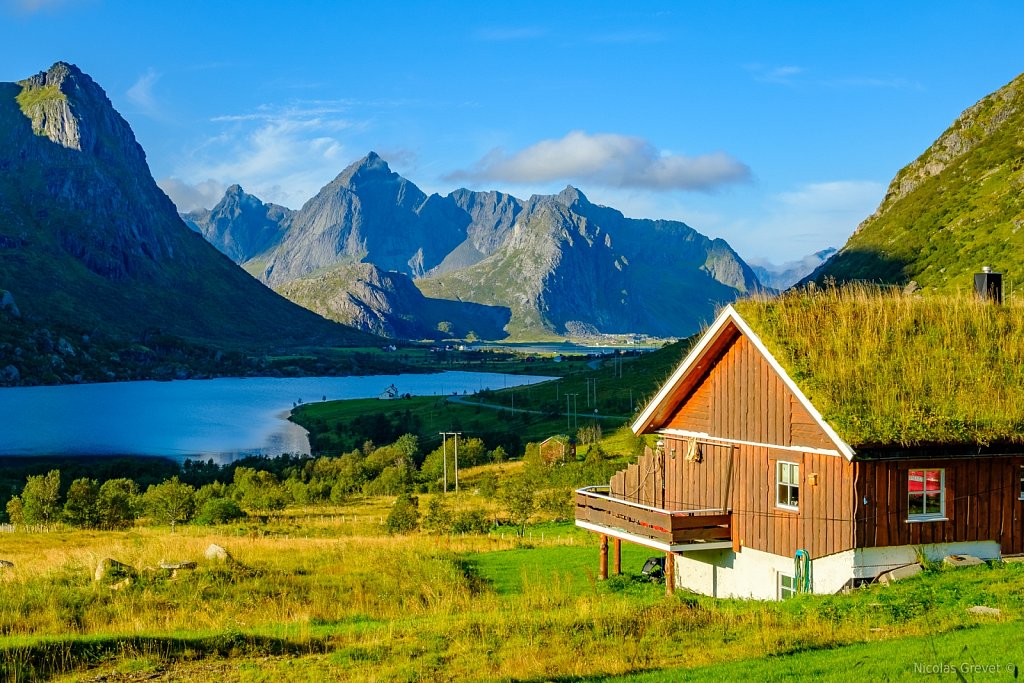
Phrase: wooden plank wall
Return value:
(742, 397)
(982, 502)
(643, 482)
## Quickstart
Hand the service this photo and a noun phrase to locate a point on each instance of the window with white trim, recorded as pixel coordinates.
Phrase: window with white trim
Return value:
(1022, 482)
(926, 494)
(787, 485)
(787, 586)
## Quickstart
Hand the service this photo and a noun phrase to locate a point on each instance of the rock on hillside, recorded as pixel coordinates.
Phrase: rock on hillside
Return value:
(956, 208)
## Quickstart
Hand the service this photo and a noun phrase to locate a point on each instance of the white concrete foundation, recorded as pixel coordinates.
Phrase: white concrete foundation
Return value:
(755, 574)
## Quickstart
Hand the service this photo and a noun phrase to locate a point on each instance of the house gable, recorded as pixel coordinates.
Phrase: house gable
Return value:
(730, 388)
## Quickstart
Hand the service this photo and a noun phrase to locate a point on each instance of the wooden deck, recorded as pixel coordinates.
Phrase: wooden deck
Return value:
(597, 508)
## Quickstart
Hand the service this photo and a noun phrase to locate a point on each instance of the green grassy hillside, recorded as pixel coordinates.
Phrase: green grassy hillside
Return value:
(956, 208)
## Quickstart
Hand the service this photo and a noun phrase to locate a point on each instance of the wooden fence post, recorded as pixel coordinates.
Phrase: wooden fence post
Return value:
(617, 556)
(602, 573)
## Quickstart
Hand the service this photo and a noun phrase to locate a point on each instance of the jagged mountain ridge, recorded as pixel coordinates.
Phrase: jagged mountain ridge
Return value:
(241, 224)
(89, 242)
(957, 207)
(562, 265)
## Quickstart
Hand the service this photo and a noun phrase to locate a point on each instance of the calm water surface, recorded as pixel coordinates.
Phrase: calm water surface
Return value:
(215, 418)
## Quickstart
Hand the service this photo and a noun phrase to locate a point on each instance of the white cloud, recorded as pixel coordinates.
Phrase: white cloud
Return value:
(280, 155)
(606, 159)
(188, 196)
(141, 94)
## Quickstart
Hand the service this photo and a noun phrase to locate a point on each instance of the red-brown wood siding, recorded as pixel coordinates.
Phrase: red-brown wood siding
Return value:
(740, 396)
(982, 498)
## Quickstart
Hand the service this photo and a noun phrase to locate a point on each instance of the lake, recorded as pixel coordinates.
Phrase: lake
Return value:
(220, 419)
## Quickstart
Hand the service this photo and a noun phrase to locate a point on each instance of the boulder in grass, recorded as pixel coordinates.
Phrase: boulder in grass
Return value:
(6, 564)
(216, 552)
(962, 561)
(111, 571)
(904, 572)
(982, 610)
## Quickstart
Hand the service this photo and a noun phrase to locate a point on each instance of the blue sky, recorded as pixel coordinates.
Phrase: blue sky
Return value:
(774, 125)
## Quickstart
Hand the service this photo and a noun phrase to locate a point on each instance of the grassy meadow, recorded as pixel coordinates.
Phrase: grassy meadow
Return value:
(325, 594)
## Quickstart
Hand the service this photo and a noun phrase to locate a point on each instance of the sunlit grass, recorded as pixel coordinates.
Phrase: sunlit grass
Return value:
(887, 368)
(342, 596)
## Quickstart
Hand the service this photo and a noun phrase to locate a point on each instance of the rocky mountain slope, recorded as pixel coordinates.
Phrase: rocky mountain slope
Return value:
(89, 243)
(956, 208)
(551, 266)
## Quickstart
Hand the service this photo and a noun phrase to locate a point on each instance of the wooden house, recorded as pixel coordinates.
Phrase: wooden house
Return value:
(751, 492)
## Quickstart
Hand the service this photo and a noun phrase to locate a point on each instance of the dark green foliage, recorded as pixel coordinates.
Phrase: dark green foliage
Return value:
(80, 506)
(219, 511)
(259, 491)
(404, 516)
(118, 503)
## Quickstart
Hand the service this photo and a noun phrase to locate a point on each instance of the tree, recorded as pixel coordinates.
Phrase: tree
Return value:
(117, 504)
(404, 515)
(16, 510)
(170, 501)
(41, 498)
(81, 505)
(438, 519)
(519, 496)
(259, 490)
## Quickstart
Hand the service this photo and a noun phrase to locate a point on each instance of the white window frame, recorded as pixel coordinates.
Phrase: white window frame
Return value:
(1022, 482)
(779, 466)
(782, 591)
(928, 516)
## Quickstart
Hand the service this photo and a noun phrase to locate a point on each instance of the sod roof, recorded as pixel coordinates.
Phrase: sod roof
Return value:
(888, 369)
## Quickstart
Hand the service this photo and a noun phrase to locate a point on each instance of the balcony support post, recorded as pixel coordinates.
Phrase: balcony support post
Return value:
(616, 556)
(670, 573)
(602, 573)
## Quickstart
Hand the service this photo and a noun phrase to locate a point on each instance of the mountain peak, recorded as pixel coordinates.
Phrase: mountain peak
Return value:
(369, 167)
(67, 106)
(571, 195)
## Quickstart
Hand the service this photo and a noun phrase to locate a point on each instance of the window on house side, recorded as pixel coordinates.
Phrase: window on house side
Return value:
(787, 586)
(1022, 482)
(787, 485)
(926, 494)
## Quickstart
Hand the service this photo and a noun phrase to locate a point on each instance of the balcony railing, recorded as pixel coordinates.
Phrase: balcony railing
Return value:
(596, 507)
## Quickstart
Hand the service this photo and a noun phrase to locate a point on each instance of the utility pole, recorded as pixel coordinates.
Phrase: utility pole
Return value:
(568, 414)
(444, 451)
(444, 454)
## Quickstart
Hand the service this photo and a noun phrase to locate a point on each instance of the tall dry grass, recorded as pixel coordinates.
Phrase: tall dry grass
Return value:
(885, 368)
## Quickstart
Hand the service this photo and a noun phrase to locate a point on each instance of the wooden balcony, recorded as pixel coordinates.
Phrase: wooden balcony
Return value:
(673, 530)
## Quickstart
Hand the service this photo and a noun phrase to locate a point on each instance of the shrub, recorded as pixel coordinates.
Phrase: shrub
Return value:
(404, 515)
(219, 511)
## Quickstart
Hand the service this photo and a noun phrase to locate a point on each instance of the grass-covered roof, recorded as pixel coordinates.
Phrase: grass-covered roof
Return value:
(885, 368)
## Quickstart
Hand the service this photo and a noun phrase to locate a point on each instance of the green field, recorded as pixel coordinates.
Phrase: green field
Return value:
(325, 594)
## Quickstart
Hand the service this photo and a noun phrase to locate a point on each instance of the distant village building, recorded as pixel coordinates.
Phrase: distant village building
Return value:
(752, 493)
